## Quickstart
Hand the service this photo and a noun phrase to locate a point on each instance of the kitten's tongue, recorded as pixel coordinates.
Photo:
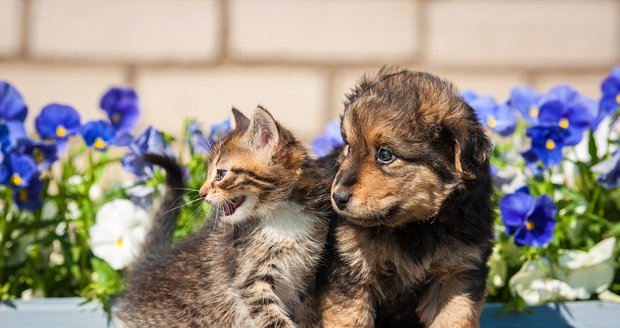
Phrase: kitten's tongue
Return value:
(229, 208)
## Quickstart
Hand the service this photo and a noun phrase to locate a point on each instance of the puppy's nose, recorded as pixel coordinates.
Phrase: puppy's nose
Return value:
(341, 198)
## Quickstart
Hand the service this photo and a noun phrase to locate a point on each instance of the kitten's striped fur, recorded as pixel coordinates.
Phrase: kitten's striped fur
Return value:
(254, 265)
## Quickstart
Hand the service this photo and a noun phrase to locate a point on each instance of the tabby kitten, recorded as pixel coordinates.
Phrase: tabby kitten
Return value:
(255, 264)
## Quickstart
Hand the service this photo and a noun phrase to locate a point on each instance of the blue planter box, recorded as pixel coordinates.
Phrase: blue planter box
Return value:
(66, 313)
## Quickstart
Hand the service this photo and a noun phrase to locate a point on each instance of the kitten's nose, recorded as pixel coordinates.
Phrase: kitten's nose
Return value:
(203, 192)
(341, 198)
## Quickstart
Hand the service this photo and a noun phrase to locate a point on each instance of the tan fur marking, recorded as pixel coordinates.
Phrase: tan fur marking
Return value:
(447, 305)
(356, 312)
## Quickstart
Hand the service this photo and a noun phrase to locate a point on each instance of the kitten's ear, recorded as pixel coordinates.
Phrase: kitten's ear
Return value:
(264, 129)
(240, 121)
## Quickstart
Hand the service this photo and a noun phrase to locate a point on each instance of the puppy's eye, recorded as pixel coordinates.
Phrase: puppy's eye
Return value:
(220, 174)
(385, 156)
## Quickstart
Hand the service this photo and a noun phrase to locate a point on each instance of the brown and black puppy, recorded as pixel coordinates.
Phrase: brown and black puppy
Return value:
(413, 192)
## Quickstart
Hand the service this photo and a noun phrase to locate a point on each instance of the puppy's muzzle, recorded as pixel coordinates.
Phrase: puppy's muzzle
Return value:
(341, 197)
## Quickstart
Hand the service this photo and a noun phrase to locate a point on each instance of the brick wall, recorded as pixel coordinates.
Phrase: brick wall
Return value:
(196, 58)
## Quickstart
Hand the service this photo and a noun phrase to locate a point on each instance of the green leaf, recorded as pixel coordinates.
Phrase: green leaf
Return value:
(104, 271)
(592, 148)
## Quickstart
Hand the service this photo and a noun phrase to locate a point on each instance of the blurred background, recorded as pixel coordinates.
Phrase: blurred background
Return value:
(197, 58)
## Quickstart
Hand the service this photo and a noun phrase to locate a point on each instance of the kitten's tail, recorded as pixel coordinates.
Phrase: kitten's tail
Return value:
(159, 236)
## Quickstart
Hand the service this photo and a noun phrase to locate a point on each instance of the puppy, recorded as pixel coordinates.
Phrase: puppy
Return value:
(412, 188)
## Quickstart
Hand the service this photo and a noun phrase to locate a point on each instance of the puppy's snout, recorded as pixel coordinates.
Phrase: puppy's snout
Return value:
(341, 198)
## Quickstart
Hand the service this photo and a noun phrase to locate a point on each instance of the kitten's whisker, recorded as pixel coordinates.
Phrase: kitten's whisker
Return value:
(176, 200)
(188, 189)
(177, 207)
(192, 216)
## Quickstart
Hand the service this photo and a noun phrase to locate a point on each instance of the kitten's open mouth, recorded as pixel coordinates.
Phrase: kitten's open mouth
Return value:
(229, 207)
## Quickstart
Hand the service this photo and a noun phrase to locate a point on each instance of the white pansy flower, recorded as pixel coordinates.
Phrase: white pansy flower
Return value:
(535, 287)
(549, 290)
(49, 211)
(608, 296)
(56, 257)
(75, 180)
(73, 210)
(592, 271)
(95, 193)
(118, 232)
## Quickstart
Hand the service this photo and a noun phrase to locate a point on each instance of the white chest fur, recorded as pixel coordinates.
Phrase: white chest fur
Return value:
(295, 235)
(288, 222)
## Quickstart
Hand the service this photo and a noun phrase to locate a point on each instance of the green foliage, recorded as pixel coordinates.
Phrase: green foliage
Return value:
(46, 253)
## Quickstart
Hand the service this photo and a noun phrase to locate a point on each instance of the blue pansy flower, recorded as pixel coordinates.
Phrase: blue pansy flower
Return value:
(98, 134)
(5, 172)
(19, 169)
(151, 141)
(219, 130)
(499, 117)
(572, 99)
(5, 141)
(530, 220)
(468, 95)
(610, 100)
(141, 195)
(533, 163)
(122, 107)
(57, 122)
(199, 144)
(526, 101)
(44, 153)
(329, 140)
(13, 111)
(574, 118)
(29, 198)
(547, 143)
(12, 105)
(608, 171)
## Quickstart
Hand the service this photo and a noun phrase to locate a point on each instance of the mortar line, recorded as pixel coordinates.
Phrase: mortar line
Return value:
(422, 34)
(223, 56)
(24, 38)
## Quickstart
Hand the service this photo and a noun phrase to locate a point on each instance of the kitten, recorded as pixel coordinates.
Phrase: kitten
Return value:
(254, 265)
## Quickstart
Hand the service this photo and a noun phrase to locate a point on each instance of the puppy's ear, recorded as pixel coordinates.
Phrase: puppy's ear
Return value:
(471, 148)
(240, 121)
(264, 131)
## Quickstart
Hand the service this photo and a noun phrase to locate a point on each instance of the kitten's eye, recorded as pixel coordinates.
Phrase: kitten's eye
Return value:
(346, 150)
(220, 174)
(385, 156)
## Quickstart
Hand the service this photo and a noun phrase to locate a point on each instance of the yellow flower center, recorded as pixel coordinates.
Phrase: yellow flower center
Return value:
(99, 144)
(564, 123)
(618, 98)
(534, 112)
(492, 122)
(116, 117)
(529, 225)
(38, 155)
(550, 144)
(23, 195)
(61, 131)
(16, 179)
(119, 242)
